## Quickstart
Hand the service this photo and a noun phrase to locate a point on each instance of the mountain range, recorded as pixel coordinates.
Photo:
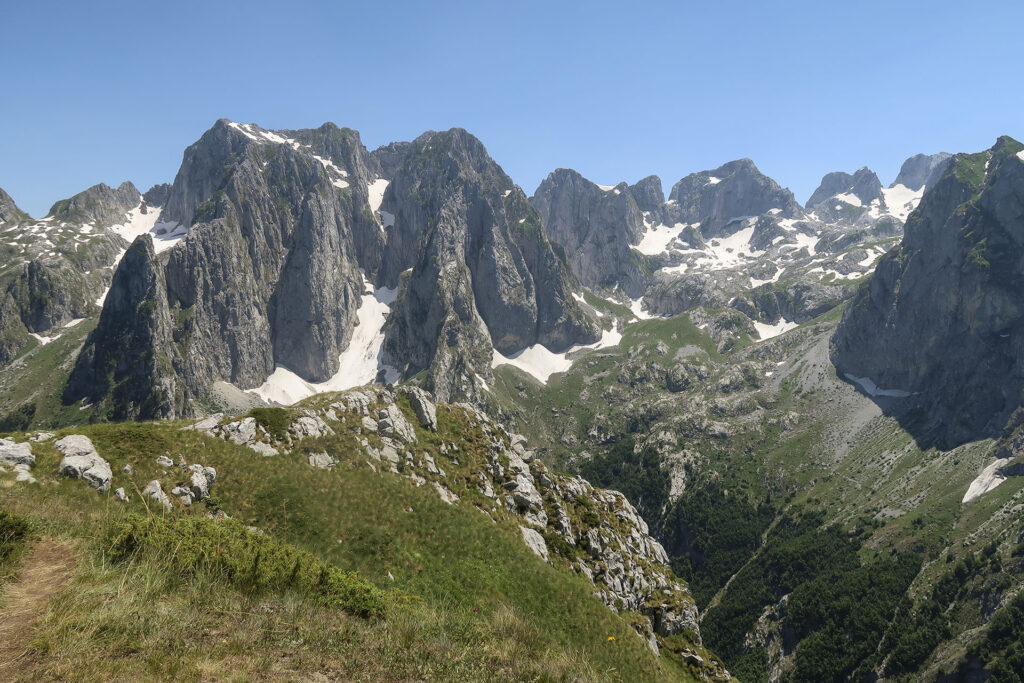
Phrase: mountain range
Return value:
(803, 403)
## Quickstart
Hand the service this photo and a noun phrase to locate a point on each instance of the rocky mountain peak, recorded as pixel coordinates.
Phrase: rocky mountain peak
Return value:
(648, 194)
(862, 185)
(100, 204)
(9, 211)
(922, 170)
(717, 199)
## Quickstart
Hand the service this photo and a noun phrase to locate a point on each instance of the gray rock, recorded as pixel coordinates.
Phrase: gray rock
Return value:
(23, 474)
(184, 494)
(164, 461)
(12, 453)
(127, 469)
(446, 494)
(264, 449)
(201, 481)
(321, 461)
(310, 426)
(155, 491)
(369, 424)
(121, 495)
(423, 406)
(863, 184)
(535, 542)
(207, 424)
(391, 422)
(81, 461)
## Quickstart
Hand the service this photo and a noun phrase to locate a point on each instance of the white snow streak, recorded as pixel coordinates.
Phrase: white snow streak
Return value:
(766, 331)
(986, 481)
(357, 365)
(541, 363)
(657, 238)
(901, 200)
(872, 389)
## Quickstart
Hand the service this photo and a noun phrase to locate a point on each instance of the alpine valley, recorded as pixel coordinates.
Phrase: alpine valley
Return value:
(268, 421)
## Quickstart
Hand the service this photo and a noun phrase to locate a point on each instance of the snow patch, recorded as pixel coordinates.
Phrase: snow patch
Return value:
(986, 481)
(766, 331)
(637, 306)
(1020, 155)
(72, 323)
(606, 188)
(848, 198)
(657, 238)
(901, 200)
(541, 363)
(357, 365)
(712, 181)
(43, 341)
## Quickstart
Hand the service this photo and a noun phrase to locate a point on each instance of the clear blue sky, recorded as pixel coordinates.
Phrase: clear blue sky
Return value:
(109, 91)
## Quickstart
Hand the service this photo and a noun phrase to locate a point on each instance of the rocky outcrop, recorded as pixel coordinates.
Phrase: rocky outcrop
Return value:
(940, 327)
(100, 205)
(717, 199)
(481, 273)
(648, 194)
(12, 453)
(595, 227)
(81, 461)
(126, 368)
(157, 195)
(922, 170)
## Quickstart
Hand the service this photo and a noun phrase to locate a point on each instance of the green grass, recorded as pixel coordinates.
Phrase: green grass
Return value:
(478, 604)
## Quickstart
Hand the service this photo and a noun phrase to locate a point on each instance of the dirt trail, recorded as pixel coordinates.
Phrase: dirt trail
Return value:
(46, 568)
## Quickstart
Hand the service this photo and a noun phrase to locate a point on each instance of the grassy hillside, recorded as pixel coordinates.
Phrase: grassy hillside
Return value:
(790, 497)
(449, 593)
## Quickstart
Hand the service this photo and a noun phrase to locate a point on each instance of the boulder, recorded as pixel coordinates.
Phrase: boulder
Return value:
(81, 461)
(535, 542)
(164, 461)
(321, 461)
(424, 408)
(310, 426)
(201, 481)
(155, 491)
(391, 422)
(121, 495)
(12, 453)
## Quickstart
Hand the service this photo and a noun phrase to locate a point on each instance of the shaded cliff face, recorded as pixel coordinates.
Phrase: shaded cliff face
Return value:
(125, 369)
(940, 326)
(596, 226)
(9, 211)
(716, 199)
(480, 270)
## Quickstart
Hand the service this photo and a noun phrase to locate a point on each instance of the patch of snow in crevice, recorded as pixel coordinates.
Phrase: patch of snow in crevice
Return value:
(872, 389)
(375, 192)
(541, 363)
(871, 257)
(754, 282)
(43, 341)
(986, 481)
(1020, 155)
(637, 307)
(766, 331)
(358, 364)
(103, 297)
(605, 188)
(73, 322)
(712, 180)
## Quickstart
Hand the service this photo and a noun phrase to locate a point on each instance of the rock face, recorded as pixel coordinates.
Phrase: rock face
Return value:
(126, 367)
(940, 326)
(99, 205)
(481, 271)
(922, 170)
(81, 461)
(864, 185)
(596, 226)
(716, 199)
